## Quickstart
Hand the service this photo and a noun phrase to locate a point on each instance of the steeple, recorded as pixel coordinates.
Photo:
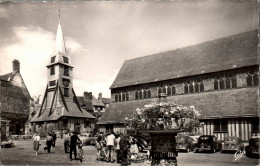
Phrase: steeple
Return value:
(60, 45)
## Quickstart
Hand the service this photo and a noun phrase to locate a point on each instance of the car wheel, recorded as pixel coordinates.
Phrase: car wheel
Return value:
(214, 150)
(188, 150)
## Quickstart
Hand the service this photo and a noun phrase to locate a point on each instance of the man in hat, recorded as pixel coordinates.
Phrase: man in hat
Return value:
(73, 142)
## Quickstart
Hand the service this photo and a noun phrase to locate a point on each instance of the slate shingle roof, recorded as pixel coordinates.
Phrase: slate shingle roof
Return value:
(87, 103)
(237, 51)
(61, 112)
(6, 77)
(216, 104)
(106, 100)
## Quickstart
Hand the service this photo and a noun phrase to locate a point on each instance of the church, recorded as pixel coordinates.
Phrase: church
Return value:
(218, 77)
(60, 109)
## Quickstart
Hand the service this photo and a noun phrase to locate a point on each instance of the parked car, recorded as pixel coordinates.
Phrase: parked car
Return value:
(184, 143)
(195, 139)
(253, 148)
(208, 143)
(87, 138)
(232, 144)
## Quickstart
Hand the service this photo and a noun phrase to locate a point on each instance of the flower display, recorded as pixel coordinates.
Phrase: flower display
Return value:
(164, 115)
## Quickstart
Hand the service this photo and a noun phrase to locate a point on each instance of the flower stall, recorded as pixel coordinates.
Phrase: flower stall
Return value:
(163, 121)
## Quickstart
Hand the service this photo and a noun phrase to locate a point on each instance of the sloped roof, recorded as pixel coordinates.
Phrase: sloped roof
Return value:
(230, 52)
(107, 100)
(87, 103)
(61, 112)
(6, 77)
(96, 102)
(216, 104)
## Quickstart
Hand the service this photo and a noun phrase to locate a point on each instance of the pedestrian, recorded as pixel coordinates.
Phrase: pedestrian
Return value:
(67, 142)
(73, 142)
(124, 149)
(110, 142)
(36, 142)
(54, 138)
(49, 141)
(61, 134)
(118, 159)
(99, 144)
(134, 149)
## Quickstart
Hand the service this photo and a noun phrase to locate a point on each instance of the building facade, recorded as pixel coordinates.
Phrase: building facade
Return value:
(218, 77)
(14, 102)
(60, 109)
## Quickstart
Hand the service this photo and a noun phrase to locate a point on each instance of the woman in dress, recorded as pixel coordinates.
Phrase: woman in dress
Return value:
(36, 142)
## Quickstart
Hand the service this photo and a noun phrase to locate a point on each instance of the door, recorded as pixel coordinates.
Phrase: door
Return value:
(109, 128)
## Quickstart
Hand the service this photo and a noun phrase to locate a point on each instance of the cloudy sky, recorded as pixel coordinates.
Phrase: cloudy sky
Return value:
(100, 36)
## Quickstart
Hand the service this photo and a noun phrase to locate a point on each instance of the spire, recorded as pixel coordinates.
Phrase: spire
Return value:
(60, 45)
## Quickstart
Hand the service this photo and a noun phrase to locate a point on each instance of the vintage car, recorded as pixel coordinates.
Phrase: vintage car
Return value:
(253, 148)
(207, 143)
(232, 144)
(184, 143)
(141, 142)
(87, 138)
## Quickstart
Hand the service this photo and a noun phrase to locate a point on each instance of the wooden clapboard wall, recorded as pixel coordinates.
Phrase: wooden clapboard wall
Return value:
(236, 127)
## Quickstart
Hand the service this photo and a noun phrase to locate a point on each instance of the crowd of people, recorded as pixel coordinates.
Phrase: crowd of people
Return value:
(113, 147)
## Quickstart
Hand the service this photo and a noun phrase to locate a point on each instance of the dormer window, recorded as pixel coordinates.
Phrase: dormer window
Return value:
(66, 71)
(65, 59)
(52, 70)
(53, 59)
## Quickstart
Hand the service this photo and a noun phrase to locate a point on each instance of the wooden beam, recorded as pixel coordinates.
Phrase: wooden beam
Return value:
(44, 98)
(76, 100)
(63, 100)
(56, 89)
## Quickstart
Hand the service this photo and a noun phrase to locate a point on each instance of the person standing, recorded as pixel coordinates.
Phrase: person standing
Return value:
(124, 149)
(73, 143)
(49, 141)
(99, 144)
(61, 134)
(36, 142)
(54, 138)
(117, 148)
(66, 142)
(110, 141)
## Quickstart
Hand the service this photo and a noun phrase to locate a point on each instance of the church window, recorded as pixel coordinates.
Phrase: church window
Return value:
(191, 88)
(169, 92)
(127, 96)
(149, 93)
(53, 59)
(66, 92)
(136, 95)
(124, 96)
(173, 90)
(159, 91)
(120, 97)
(140, 94)
(252, 79)
(234, 81)
(228, 83)
(164, 89)
(66, 70)
(116, 97)
(222, 83)
(186, 88)
(52, 70)
(216, 86)
(196, 85)
(201, 87)
(145, 93)
(65, 59)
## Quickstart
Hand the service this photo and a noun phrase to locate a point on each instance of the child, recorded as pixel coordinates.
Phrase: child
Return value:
(80, 152)
(134, 149)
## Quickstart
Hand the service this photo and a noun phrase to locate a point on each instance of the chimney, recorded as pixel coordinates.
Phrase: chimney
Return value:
(88, 95)
(100, 96)
(162, 97)
(16, 65)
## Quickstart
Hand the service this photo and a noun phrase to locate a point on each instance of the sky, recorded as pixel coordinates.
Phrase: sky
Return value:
(101, 35)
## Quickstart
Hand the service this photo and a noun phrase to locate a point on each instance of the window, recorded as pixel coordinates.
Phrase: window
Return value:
(145, 94)
(66, 92)
(53, 59)
(186, 88)
(220, 125)
(140, 94)
(87, 124)
(136, 95)
(191, 88)
(66, 70)
(149, 93)
(52, 70)
(127, 96)
(65, 59)
(119, 97)
(124, 96)
(227, 81)
(169, 92)
(252, 79)
(255, 124)
(52, 83)
(116, 97)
